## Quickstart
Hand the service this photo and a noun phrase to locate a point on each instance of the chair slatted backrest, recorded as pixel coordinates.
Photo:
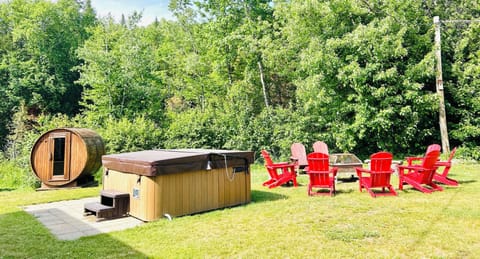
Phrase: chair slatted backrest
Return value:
(381, 168)
(443, 177)
(447, 164)
(266, 157)
(428, 165)
(433, 147)
(319, 167)
(419, 160)
(268, 164)
(452, 153)
(320, 147)
(298, 152)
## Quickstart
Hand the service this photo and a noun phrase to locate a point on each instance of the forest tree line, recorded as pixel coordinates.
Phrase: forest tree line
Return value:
(241, 74)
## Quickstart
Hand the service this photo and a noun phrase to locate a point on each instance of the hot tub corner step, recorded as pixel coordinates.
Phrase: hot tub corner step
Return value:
(99, 210)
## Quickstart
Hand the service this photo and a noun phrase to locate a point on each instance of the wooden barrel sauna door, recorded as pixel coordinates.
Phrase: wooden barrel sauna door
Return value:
(59, 150)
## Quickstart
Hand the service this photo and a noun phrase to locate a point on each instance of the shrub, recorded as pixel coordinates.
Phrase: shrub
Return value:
(123, 135)
(13, 177)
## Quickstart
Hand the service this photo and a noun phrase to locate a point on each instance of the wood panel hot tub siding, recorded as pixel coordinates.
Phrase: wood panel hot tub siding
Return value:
(181, 193)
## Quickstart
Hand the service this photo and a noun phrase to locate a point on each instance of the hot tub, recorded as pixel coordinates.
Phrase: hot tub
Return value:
(178, 182)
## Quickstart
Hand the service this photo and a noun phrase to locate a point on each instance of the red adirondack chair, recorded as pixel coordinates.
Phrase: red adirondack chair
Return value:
(378, 176)
(443, 177)
(415, 159)
(298, 155)
(321, 175)
(280, 173)
(320, 147)
(419, 175)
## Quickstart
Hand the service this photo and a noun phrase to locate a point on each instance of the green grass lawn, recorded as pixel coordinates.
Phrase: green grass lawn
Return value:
(278, 223)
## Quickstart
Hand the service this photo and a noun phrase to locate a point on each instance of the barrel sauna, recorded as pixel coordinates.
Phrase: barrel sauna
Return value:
(67, 157)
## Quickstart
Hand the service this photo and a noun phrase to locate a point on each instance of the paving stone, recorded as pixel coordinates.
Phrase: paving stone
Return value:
(66, 221)
(91, 232)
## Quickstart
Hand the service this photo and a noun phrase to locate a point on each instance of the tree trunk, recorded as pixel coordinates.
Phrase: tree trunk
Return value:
(264, 88)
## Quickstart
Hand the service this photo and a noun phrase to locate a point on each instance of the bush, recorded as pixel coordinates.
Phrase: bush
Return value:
(13, 177)
(123, 135)
(469, 153)
(191, 129)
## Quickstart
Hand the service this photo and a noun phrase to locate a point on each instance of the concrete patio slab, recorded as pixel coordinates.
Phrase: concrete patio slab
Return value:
(66, 221)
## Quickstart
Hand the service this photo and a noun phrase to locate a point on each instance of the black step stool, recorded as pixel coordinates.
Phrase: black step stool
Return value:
(113, 204)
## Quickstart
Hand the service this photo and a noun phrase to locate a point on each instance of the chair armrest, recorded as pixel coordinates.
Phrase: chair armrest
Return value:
(284, 167)
(280, 164)
(294, 160)
(409, 167)
(443, 163)
(334, 170)
(410, 159)
(361, 169)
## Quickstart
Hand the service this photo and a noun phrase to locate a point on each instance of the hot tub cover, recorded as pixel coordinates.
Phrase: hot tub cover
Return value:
(168, 161)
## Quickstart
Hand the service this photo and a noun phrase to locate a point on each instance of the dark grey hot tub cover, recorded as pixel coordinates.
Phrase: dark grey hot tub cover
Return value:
(168, 161)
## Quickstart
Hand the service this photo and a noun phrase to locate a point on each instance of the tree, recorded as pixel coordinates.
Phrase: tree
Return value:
(41, 62)
(466, 96)
(360, 83)
(120, 72)
(39, 39)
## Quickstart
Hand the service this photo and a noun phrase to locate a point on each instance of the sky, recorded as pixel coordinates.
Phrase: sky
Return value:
(150, 9)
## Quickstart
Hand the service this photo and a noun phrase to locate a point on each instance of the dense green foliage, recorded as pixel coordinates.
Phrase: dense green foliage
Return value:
(359, 75)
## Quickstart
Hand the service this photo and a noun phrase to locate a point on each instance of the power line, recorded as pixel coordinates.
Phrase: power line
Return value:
(459, 21)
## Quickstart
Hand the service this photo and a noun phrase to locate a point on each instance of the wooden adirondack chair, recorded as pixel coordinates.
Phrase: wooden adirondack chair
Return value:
(280, 173)
(416, 160)
(320, 147)
(443, 177)
(419, 175)
(378, 176)
(321, 175)
(298, 155)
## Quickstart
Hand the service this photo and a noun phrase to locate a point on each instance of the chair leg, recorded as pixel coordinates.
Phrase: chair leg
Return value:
(332, 191)
(400, 180)
(419, 187)
(445, 180)
(392, 190)
(273, 185)
(267, 183)
(333, 187)
(371, 192)
(450, 181)
(435, 186)
(295, 181)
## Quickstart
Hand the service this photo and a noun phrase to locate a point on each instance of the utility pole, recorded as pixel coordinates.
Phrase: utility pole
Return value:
(439, 84)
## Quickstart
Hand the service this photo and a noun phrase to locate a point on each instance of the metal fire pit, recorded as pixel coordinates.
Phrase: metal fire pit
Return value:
(346, 163)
